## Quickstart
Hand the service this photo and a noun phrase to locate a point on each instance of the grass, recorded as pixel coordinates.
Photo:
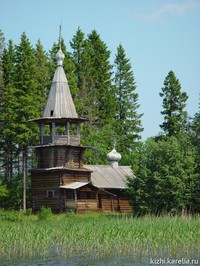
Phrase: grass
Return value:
(24, 237)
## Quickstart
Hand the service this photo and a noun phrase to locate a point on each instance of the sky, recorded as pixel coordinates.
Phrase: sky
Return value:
(158, 36)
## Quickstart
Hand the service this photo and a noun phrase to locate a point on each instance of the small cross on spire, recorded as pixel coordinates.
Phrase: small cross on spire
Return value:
(60, 36)
(114, 141)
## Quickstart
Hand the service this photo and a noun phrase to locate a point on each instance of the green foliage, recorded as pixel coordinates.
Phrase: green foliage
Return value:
(42, 75)
(99, 143)
(165, 178)
(93, 71)
(174, 102)
(4, 192)
(44, 213)
(82, 70)
(2, 45)
(11, 216)
(167, 169)
(127, 120)
(7, 111)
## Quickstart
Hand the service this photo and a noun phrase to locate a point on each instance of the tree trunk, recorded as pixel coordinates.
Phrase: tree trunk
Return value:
(24, 156)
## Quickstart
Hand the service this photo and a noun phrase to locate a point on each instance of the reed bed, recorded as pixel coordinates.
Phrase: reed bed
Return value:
(98, 236)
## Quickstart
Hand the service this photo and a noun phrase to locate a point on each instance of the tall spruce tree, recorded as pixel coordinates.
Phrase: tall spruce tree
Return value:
(127, 120)
(174, 102)
(7, 111)
(26, 103)
(82, 63)
(100, 91)
(194, 131)
(42, 74)
(96, 97)
(2, 46)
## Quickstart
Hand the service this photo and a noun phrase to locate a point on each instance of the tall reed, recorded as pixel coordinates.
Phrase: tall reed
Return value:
(98, 235)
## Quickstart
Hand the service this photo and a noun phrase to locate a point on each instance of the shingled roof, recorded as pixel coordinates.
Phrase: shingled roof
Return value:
(60, 103)
(107, 177)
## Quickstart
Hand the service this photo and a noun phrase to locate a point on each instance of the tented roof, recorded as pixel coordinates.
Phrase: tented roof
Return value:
(60, 103)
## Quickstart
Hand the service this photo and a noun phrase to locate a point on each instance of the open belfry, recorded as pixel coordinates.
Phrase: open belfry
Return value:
(61, 181)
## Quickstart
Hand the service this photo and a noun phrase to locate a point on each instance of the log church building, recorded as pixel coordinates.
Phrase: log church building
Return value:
(61, 181)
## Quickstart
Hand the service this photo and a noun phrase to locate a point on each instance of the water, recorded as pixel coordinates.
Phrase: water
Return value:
(80, 261)
(112, 261)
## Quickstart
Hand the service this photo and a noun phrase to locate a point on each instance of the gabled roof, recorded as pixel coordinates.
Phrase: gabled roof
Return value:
(107, 177)
(60, 103)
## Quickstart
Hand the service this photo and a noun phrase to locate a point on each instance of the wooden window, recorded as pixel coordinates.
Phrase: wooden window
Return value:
(50, 194)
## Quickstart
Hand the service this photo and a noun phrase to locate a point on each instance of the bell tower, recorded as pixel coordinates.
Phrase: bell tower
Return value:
(59, 153)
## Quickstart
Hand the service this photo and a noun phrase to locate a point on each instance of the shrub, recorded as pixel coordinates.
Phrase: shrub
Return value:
(44, 213)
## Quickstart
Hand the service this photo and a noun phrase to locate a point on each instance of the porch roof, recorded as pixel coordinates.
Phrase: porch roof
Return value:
(74, 185)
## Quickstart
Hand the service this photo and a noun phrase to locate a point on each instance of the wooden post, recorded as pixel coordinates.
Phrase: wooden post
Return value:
(42, 133)
(24, 156)
(68, 133)
(78, 132)
(53, 131)
(75, 198)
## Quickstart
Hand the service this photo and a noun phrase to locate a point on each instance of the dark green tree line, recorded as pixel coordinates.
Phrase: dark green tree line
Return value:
(167, 166)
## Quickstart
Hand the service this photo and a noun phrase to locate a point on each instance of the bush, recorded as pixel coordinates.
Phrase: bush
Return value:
(44, 213)
(11, 215)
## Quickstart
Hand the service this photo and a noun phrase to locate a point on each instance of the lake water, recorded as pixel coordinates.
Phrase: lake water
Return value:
(112, 261)
(81, 261)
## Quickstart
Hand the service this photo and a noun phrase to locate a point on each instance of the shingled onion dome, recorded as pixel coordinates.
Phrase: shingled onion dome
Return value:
(114, 157)
(60, 57)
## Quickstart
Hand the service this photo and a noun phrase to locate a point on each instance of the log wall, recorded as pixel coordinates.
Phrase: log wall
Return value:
(54, 156)
(87, 205)
(40, 184)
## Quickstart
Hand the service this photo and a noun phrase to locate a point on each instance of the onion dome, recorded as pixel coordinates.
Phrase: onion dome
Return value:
(114, 156)
(60, 57)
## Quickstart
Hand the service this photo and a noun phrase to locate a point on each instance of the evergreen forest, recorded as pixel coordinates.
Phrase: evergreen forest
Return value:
(166, 166)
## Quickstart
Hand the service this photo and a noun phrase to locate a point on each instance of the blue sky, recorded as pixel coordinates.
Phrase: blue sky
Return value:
(157, 35)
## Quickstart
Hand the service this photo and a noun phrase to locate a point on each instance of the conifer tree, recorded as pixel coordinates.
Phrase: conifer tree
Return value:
(42, 74)
(96, 98)
(7, 112)
(81, 60)
(174, 102)
(26, 105)
(2, 46)
(100, 91)
(127, 120)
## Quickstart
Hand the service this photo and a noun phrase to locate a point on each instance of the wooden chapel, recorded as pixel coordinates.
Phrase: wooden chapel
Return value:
(61, 181)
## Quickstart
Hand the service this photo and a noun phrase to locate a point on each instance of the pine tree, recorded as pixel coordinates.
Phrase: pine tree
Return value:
(127, 120)
(174, 102)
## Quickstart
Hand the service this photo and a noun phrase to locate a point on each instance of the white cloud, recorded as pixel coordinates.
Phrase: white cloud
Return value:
(174, 8)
